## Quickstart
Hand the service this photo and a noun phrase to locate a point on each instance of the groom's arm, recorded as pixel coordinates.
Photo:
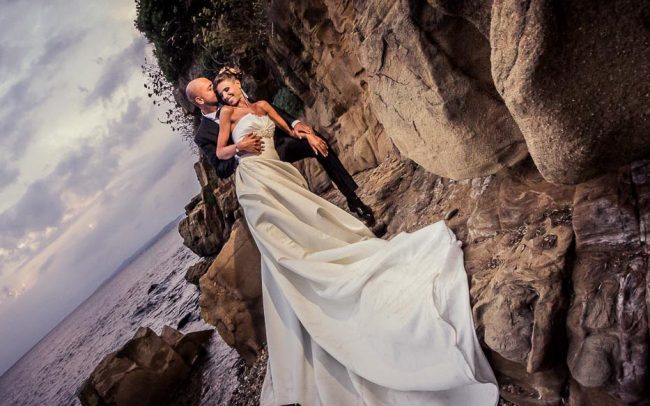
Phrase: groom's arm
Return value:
(223, 168)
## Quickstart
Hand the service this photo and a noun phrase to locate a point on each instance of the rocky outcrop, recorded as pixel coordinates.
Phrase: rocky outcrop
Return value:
(210, 215)
(231, 294)
(196, 271)
(519, 243)
(608, 319)
(435, 107)
(420, 75)
(466, 88)
(146, 370)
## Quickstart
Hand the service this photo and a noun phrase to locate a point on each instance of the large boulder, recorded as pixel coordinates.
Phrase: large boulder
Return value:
(147, 370)
(465, 88)
(574, 75)
(404, 71)
(430, 87)
(231, 294)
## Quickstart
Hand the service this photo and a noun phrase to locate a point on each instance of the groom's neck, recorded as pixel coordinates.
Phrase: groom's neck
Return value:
(208, 109)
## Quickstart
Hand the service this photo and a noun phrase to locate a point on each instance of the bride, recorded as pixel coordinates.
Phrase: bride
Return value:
(350, 319)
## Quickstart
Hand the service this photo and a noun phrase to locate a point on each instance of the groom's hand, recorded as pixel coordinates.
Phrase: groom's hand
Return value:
(315, 142)
(302, 130)
(251, 143)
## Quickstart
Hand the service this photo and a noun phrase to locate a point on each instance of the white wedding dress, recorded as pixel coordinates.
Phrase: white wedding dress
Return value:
(352, 319)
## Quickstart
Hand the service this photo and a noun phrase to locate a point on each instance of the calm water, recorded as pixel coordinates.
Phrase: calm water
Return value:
(149, 291)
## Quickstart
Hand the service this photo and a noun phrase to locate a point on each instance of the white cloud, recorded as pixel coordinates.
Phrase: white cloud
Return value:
(87, 173)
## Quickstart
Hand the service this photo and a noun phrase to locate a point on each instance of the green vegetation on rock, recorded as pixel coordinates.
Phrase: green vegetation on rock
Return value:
(206, 34)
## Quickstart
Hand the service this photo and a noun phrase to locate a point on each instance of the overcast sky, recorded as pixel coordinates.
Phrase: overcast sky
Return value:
(87, 173)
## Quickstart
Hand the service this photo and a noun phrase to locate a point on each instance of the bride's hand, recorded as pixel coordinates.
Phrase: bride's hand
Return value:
(317, 144)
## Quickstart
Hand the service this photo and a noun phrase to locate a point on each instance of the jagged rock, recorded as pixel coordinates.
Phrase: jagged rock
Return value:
(231, 294)
(402, 70)
(574, 77)
(608, 319)
(210, 216)
(467, 87)
(196, 271)
(332, 84)
(146, 370)
(520, 235)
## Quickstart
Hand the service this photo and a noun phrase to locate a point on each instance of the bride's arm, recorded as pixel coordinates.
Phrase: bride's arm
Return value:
(225, 151)
(277, 119)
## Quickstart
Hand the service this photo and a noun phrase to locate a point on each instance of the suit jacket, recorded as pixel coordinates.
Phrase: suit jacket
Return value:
(206, 139)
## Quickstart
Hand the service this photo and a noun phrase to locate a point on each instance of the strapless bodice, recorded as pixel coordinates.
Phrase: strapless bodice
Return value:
(259, 125)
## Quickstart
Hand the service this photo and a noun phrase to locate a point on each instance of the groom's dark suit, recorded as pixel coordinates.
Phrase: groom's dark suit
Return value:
(289, 149)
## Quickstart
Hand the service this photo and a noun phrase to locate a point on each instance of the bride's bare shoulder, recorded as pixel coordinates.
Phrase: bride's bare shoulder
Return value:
(226, 111)
(263, 104)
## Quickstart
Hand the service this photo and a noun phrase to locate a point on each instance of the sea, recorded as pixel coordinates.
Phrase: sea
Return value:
(148, 289)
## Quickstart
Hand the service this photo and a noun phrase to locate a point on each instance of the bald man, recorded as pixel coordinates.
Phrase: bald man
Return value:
(200, 93)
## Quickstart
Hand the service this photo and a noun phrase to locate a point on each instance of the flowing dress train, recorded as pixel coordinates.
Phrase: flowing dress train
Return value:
(352, 319)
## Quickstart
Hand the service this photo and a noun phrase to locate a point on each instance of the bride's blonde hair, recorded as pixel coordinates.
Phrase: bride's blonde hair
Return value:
(227, 72)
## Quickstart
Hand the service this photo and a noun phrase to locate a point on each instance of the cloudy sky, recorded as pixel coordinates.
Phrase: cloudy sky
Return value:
(87, 173)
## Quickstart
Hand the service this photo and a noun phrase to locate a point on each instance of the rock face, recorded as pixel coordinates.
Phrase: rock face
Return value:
(435, 106)
(210, 214)
(571, 75)
(231, 294)
(146, 370)
(421, 74)
(519, 239)
(465, 88)
(608, 319)
(196, 271)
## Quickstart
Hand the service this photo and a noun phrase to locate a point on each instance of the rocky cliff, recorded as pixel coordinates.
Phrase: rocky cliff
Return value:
(467, 87)
(525, 124)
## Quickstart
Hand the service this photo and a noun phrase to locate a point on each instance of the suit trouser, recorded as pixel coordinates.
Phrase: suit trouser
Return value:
(292, 150)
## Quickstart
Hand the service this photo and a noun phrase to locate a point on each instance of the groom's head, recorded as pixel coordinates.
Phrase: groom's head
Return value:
(200, 93)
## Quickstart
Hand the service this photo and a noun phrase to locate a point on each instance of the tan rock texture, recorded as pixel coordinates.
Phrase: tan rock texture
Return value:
(465, 88)
(608, 319)
(210, 214)
(231, 294)
(147, 370)
(573, 75)
(395, 69)
(519, 239)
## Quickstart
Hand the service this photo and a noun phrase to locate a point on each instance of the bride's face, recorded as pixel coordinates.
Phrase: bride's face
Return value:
(230, 91)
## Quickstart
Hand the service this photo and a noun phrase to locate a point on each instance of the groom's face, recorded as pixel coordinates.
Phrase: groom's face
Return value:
(206, 94)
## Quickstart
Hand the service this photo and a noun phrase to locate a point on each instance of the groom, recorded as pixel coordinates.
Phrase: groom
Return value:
(200, 93)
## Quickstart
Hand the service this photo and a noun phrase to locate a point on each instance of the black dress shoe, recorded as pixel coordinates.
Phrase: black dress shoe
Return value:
(379, 229)
(361, 210)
